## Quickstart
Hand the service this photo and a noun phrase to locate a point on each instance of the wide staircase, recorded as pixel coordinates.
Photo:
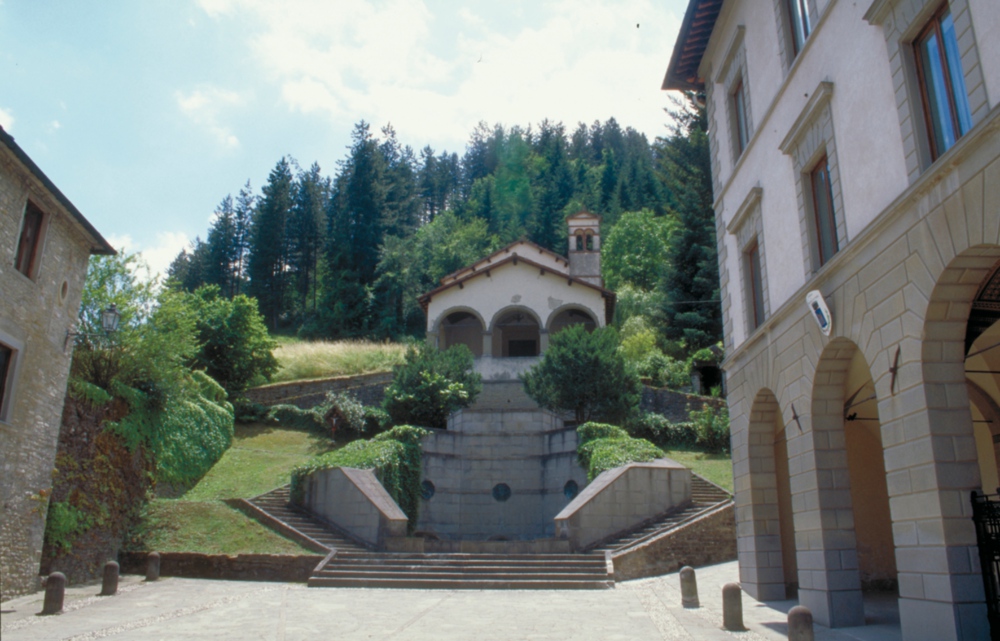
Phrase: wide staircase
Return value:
(350, 564)
(704, 496)
(464, 571)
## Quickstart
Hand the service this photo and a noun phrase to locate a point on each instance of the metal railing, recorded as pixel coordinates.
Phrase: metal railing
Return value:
(986, 516)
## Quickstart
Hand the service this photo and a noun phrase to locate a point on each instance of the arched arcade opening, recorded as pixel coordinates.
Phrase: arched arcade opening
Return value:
(516, 333)
(462, 328)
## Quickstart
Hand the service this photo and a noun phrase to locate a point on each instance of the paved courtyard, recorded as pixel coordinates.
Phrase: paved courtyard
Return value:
(174, 608)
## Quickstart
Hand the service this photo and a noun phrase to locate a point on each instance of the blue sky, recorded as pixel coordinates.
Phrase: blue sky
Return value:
(147, 113)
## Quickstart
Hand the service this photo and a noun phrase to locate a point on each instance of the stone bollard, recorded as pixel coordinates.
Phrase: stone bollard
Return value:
(689, 588)
(153, 566)
(109, 585)
(732, 607)
(55, 592)
(800, 624)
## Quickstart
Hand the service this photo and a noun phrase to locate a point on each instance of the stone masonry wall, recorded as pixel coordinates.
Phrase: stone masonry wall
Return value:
(35, 314)
(674, 406)
(707, 540)
(368, 388)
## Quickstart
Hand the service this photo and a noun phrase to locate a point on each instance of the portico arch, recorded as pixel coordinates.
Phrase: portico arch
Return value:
(567, 315)
(516, 332)
(767, 556)
(461, 326)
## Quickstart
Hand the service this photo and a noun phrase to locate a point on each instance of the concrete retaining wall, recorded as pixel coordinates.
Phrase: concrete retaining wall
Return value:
(622, 498)
(708, 539)
(368, 388)
(530, 452)
(355, 501)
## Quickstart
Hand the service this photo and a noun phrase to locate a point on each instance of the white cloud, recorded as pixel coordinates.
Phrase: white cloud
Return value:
(157, 256)
(570, 61)
(54, 126)
(6, 118)
(205, 107)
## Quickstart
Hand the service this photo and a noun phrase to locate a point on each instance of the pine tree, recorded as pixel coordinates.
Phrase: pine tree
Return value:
(307, 231)
(269, 248)
(691, 311)
(222, 251)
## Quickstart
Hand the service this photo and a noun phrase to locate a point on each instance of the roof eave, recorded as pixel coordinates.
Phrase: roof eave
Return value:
(692, 40)
(99, 245)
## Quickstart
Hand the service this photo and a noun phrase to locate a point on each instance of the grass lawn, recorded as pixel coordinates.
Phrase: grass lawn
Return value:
(716, 468)
(301, 360)
(259, 460)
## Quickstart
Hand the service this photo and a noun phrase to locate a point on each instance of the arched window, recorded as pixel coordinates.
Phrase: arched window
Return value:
(590, 242)
(579, 242)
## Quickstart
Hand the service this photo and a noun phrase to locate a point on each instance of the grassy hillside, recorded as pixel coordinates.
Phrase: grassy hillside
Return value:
(259, 460)
(300, 360)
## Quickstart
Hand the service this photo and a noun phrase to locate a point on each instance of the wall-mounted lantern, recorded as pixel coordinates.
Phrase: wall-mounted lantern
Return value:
(109, 324)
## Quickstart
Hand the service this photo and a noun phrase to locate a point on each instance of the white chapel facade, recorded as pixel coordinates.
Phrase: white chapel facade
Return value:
(507, 305)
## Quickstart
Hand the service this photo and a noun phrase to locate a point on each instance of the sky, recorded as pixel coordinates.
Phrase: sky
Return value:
(146, 114)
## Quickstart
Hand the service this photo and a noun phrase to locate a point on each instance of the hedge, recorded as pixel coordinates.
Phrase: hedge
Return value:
(604, 447)
(394, 456)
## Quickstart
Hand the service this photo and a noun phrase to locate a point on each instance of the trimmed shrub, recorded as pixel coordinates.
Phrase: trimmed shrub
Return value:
(249, 412)
(605, 447)
(657, 429)
(394, 456)
(292, 416)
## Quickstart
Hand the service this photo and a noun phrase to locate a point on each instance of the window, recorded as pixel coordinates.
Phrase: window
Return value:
(740, 130)
(824, 220)
(798, 18)
(27, 245)
(754, 284)
(6, 366)
(942, 84)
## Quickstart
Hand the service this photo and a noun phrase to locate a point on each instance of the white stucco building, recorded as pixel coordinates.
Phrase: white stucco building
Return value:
(855, 152)
(505, 306)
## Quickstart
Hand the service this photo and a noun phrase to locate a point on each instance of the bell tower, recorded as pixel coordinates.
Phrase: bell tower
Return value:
(585, 247)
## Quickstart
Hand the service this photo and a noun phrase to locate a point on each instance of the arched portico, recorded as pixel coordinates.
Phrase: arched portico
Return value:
(461, 326)
(516, 331)
(567, 315)
(764, 512)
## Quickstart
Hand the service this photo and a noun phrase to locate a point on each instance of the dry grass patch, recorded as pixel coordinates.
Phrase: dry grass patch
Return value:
(301, 360)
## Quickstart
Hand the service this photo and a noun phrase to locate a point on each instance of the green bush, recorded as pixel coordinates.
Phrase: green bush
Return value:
(712, 427)
(431, 384)
(605, 447)
(249, 412)
(344, 409)
(584, 372)
(657, 429)
(664, 371)
(294, 417)
(394, 456)
(376, 419)
(591, 431)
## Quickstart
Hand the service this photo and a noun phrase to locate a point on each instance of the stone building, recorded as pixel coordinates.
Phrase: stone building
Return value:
(45, 243)
(505, 306)
(856, 164)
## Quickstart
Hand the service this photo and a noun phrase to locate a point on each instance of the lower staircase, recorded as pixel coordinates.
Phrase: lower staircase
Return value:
(350, 564)
(275, 510)
(704, 496)
(464, 571)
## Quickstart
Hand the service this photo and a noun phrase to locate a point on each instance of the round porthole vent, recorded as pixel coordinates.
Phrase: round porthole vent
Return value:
(501, 492)
(427, 490)
(571, 489)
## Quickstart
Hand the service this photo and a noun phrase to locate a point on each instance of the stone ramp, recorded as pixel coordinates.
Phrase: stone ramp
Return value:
(705, 496)
(274, 510)
(464, 571)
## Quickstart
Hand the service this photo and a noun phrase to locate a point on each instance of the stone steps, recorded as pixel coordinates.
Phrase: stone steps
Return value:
(299, 525)
(464, 571)
(704, 496)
